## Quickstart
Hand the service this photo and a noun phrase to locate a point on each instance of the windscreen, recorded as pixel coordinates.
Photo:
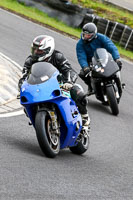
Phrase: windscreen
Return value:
(101, 57)
(41, 72)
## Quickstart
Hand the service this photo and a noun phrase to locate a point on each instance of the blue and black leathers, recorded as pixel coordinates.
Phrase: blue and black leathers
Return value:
(85, 50)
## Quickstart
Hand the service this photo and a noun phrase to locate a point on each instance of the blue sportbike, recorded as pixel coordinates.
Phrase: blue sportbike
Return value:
(52, 112)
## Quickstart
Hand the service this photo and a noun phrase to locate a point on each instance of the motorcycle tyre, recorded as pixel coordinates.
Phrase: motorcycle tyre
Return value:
(41, 125)
(112, 100)
(82, 146)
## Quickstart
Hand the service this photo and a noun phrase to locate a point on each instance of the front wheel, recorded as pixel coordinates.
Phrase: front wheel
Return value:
(112, 100)
(82, 145)
(48, 140)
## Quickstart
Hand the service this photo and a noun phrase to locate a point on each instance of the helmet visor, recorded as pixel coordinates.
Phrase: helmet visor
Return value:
(36, 51)
(87, 36)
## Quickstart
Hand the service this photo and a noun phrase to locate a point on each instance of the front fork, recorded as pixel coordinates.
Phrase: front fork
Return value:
(118, 83)
(54, 122)
(51, 110)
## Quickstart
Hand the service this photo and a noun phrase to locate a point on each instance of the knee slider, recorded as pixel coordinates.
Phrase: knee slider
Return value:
(78, 95)
(74, 92)
(82, 99)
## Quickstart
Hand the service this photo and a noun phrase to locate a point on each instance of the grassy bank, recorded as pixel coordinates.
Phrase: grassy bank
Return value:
(43, 19)
(105, 10)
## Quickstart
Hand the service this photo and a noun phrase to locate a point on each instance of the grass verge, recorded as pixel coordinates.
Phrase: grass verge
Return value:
(37, 16)
(104, 9)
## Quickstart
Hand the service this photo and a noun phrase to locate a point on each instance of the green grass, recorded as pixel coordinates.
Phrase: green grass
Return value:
(107, 11)
(42, 18)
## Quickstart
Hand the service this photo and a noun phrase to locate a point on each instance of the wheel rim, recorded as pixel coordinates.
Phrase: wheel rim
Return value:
(85, 140)
(53, 138)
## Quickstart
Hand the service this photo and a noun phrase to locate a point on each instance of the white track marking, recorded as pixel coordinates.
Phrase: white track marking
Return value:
(12, 114)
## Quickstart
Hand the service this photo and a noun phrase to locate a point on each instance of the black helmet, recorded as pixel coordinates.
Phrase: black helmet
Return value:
(89, 32)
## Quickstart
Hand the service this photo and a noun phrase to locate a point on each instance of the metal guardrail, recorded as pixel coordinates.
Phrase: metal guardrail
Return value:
(117, 32)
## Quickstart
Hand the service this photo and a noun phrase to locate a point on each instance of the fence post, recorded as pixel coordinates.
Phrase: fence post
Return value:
(107, 27)
(129, 38)
(113, 30)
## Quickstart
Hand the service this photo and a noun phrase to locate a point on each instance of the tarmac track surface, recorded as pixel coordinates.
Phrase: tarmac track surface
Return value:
(104, 172)
(127, 4)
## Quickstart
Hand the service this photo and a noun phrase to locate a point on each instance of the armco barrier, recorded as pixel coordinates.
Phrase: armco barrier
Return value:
(117, 32)
(77, 16)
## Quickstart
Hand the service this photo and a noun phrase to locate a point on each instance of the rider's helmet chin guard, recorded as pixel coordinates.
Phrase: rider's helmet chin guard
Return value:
(89, 32)
(42, 47)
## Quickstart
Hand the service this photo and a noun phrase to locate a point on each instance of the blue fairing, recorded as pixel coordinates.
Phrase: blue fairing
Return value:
(40, 92)
(67, 107)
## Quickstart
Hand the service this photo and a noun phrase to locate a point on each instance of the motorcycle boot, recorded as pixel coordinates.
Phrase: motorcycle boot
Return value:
(85, 124)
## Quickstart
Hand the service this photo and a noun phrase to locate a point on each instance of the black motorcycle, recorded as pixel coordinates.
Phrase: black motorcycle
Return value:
(105, 79)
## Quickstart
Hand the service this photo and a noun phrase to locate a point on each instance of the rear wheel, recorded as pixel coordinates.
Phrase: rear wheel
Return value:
(112, 100)
(48, 140)
(83, 144)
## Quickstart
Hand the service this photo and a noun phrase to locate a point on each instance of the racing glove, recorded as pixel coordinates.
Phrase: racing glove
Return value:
(20, 82)
(86, 71)
(67, 86)
(119, 63)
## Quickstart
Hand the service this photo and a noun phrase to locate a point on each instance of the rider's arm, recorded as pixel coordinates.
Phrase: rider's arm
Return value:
(81, 54)
(110, 46)
(64, 67)
(27, 66)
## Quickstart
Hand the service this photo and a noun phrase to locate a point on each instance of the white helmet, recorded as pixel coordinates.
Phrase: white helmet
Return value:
(42, 47)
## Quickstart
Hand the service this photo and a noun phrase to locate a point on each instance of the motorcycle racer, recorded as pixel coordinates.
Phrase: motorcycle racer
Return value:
(91, 40)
